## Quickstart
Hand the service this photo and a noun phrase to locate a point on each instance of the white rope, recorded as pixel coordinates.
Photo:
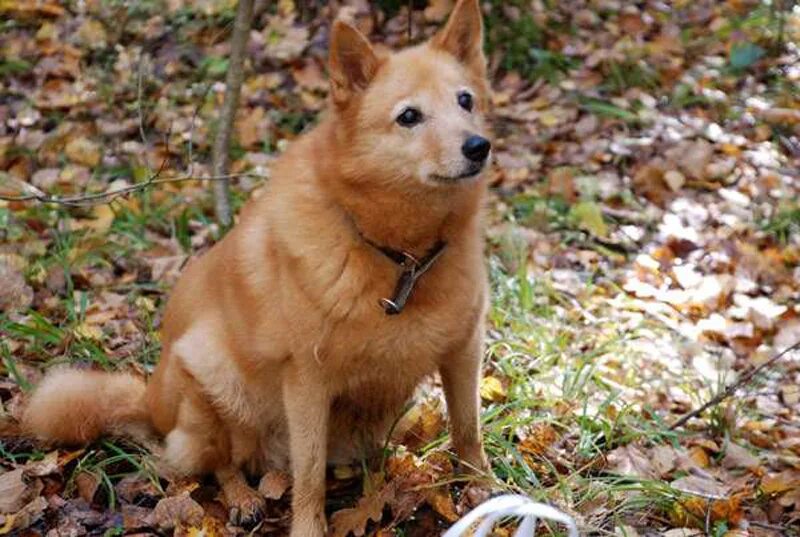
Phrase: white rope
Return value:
(511, 505)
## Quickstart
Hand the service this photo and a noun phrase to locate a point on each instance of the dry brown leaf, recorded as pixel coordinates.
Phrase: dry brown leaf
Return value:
(102, 218)
(87, 484)
(692, 157)
(15, 293)
(26, 516)
(561, 182)
(738, 457)
(368, 508)
(134, 488)
(419, 426)
(780, 482)
(252, 127)
(788, 116)
(631, 461)
(440, 500)
(648, 181)
(83, 151)
(177, 510)
(539, 440)
(14, 492)
(211, 527)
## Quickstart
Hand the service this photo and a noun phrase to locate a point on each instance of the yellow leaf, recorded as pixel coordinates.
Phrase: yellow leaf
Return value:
(88, 331)
(549, 119)
(776, 483)
(588, 216)
(145, 303)
(211, 527)
(103, 217)
(442, 503)
(492, 389)
(9, 524)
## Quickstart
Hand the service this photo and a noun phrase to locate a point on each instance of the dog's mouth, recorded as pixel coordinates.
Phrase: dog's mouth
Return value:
(472, 172)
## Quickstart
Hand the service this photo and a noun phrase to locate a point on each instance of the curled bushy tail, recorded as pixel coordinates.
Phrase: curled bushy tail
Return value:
(77, 407)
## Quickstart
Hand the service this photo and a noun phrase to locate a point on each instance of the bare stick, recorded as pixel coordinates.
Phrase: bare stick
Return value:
(35, 194)
(410, 11)
(233, 87)
(730, 390)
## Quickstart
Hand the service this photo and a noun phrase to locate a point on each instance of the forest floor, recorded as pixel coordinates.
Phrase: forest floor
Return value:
(643, 244)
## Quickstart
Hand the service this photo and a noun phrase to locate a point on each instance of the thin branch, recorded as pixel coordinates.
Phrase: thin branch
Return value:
(139, 109)
(731, 389)
(104, 197)
(410, 12)
(233, 87)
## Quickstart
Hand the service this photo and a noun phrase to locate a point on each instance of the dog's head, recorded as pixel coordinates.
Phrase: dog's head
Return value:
(416, 117)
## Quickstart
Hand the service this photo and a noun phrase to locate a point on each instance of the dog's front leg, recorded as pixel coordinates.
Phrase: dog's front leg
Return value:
(307, 410)
(461, 373)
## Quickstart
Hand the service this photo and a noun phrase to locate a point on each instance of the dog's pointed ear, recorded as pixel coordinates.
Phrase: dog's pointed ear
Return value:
(353, 62)
(462, 36)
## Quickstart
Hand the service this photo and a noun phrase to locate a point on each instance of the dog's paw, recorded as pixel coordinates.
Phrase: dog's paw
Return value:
(247, 508)
(475, 466)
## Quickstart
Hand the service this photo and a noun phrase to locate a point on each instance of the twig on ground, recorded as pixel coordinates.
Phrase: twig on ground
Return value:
(233, 86)
(731, 389)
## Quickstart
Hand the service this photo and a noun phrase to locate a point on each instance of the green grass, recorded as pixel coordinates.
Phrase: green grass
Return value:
(784, 224)
(522, 42)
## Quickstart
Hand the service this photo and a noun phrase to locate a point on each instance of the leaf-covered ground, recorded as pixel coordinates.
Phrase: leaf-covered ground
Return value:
(643, 240)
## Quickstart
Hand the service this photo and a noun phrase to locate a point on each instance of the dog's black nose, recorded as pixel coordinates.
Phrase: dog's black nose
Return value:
(476, 148)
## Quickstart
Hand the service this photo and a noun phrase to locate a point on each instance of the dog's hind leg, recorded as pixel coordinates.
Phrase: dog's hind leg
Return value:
(246, 506)
(201, 444)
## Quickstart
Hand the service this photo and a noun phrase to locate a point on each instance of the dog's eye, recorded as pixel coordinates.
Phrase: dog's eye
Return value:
(409, 117)
(465, 101)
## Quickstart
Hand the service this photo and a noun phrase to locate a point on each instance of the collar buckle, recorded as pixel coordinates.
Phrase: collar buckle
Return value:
(412, 270)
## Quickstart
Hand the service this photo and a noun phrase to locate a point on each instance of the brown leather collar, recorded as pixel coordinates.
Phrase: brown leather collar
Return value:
(412, 270)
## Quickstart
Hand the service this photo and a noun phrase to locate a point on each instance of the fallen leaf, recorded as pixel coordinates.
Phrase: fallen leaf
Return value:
(540, 438)
(15, 293)
(368, 508)
(419, 426)
(440, 500)
(28, 515)
(102, 218)
(14, 492)
(631, 461)
(588, 216)
(87, 484)
(92, 34)
(492, 389)
(674, 179)
(211, 527)
(780, 482)
(83, 151)
(561, 182)
(177, 510)
(692, 157)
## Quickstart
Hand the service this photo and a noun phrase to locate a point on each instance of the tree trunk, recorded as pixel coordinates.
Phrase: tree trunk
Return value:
(233, 87)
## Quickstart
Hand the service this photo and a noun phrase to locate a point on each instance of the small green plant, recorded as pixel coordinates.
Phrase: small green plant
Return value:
(620, 76)
(512, 32)
(785, 224)
(13, 66)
